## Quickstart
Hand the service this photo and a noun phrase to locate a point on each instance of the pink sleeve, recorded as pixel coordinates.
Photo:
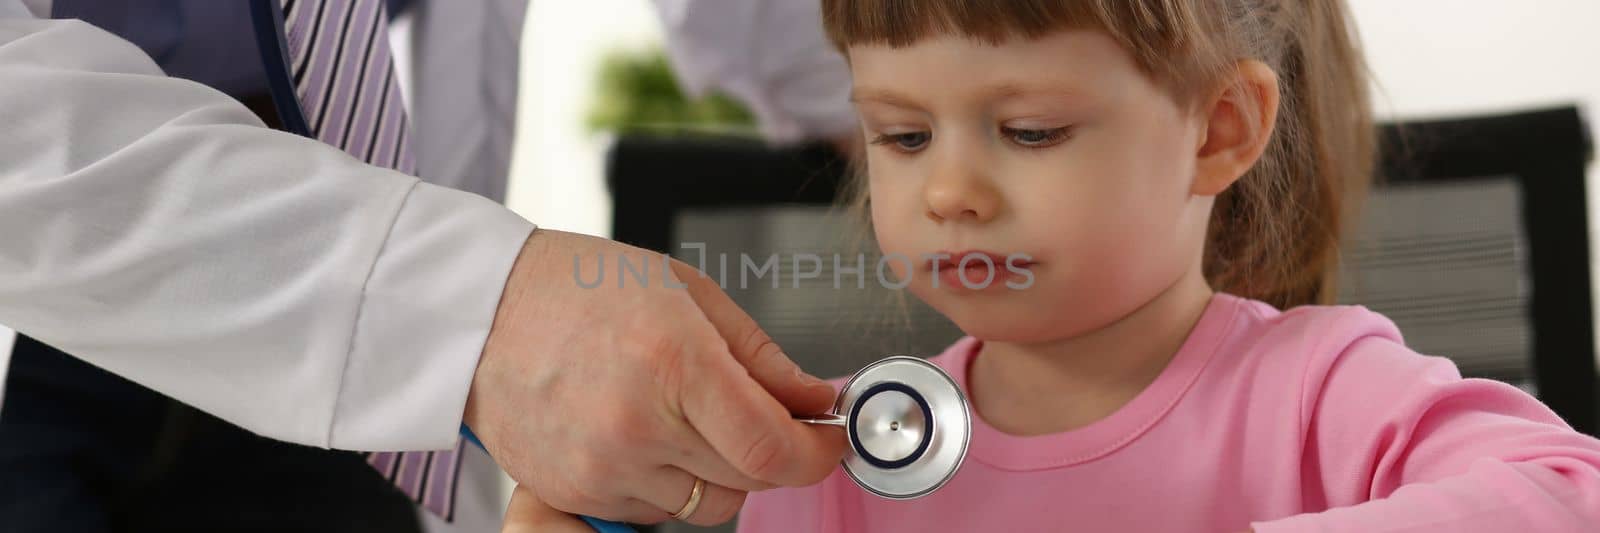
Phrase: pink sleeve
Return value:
(782, 509)
(1399, 442)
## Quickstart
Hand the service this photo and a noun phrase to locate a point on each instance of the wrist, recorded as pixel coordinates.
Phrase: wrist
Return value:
(509, 321)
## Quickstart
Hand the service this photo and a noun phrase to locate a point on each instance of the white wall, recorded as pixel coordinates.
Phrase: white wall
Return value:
(1450, 57)
(557, 167)
(1442, 57)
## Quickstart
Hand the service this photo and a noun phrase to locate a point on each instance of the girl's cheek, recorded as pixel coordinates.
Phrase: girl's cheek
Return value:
(891, 208)
(891, 240)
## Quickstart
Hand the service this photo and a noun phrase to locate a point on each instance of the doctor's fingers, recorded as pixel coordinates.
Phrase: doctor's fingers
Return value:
(751, 431)
(799, 392)
(690, 452)
(671, 489)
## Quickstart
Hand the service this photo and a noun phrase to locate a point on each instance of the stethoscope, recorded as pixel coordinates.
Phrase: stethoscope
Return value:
(908, 424)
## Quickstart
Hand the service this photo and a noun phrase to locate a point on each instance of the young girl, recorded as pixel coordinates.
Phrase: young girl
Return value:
(1174, 170)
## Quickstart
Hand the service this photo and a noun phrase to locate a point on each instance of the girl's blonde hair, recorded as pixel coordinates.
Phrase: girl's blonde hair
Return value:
(1274, 235)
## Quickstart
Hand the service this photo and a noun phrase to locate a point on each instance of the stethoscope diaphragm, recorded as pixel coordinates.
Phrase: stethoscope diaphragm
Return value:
(908, 425)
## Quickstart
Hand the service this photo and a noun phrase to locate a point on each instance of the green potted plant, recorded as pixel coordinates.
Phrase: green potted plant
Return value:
(637, 94)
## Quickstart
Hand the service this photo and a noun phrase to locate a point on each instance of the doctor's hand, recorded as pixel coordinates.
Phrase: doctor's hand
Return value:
(610, 401)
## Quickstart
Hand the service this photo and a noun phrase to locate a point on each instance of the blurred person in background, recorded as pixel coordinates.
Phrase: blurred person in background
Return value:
(769, 55)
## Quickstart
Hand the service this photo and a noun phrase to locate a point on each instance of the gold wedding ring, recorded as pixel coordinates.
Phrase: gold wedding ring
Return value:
(694, 500)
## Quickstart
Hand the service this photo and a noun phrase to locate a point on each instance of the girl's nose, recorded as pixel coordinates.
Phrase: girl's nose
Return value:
(961, 194)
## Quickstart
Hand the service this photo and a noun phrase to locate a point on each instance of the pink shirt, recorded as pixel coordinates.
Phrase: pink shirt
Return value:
(1315, 419)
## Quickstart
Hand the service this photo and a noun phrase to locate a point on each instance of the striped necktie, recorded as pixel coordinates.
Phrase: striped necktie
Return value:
(343, 74)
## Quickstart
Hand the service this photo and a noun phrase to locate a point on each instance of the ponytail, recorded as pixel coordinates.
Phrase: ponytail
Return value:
(1275, 234)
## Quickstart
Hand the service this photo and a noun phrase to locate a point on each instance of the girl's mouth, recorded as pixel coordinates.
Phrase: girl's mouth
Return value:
(976, 269)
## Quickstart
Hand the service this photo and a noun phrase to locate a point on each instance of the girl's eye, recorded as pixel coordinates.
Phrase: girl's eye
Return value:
(1035, 138)
(905, 142)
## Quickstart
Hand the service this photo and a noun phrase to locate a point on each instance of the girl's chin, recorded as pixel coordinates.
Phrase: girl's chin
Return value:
(999, 321)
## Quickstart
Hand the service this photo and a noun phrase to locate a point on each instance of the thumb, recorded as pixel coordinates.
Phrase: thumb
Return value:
(799, 392)
(527, 514)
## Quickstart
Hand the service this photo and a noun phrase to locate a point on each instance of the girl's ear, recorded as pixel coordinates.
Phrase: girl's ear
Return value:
(1238, 124)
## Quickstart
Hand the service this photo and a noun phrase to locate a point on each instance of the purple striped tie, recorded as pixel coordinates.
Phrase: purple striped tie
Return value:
(344, 76)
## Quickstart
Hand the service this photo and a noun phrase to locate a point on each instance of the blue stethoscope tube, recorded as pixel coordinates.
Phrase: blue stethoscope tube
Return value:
(600, 526)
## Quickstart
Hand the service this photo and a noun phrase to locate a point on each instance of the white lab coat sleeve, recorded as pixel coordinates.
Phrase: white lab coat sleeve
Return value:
(153, 227)
(770, 55)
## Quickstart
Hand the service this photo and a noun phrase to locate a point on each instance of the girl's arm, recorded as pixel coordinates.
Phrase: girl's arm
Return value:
(527, 514)
(1399, 442)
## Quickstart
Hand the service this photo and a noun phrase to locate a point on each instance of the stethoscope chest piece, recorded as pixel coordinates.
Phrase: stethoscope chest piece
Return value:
(908, 426)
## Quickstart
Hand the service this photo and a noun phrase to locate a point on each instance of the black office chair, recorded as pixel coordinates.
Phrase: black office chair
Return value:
(1475, 243)
(1477, 247)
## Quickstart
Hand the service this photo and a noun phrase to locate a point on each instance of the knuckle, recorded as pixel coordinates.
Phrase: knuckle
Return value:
(670, 368)
(620, 423)
(664, 350)
(631, 428)
(759, 345)
(657, 333)
(589, 471)
(762, 459)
